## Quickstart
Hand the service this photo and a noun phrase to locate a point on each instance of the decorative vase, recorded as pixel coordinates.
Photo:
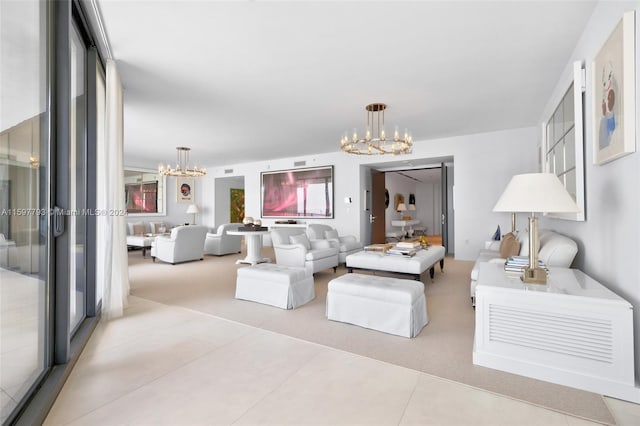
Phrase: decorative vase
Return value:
(248, 220)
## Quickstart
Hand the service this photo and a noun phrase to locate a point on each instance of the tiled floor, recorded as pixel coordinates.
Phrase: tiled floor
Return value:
(168, 365)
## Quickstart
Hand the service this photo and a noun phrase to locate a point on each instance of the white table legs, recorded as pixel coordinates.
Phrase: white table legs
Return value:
(254, 244)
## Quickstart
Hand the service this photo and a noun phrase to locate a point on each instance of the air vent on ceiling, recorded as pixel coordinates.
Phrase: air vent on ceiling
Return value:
(227, 171)
(299, 163)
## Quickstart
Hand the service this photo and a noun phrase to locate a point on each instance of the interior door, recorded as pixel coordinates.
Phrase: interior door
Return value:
(378, 207)
(443, 208)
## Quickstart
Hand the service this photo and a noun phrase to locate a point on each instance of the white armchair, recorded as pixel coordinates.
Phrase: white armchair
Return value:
(222, 243)
(346, 245)
(298, 250)
(184, 244)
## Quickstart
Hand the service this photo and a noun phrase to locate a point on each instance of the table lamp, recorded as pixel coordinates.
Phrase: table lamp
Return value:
(535, 193)
(401, 208)
(193, 209)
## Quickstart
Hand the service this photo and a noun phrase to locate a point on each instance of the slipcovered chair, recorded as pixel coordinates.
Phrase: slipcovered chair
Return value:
(184, 244)
(295, 249)
(222, 243)
(346, 245)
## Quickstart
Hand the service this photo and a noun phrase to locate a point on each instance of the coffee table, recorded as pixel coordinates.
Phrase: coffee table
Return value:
(140, 241)
(414, 265)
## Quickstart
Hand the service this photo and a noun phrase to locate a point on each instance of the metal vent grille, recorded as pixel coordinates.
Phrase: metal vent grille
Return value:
(572, 335)
(228, 171)
(299, 163)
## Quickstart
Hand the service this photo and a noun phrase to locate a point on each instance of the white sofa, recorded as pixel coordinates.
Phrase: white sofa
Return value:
(554, 250)
(185, 243)
(292, 247)
(222, 243)
(138, 228)
(346, 244)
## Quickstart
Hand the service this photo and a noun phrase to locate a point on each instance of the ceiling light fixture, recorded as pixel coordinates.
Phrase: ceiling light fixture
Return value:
(182, 165)
(375, 139)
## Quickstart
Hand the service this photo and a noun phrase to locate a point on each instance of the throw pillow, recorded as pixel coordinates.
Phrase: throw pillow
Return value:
(155, 227)
(138, 228)
(496, 235)
(331, 235)
(509, 246)
(300, 239)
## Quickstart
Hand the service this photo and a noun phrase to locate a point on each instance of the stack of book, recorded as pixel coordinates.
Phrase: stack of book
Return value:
(518, 263)
(405, 248)
(408, 244)
(379, 247)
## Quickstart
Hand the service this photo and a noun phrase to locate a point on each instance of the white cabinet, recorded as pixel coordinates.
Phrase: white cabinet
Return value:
(572, 331)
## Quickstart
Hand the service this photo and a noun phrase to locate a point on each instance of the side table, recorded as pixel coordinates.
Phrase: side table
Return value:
(253, 240)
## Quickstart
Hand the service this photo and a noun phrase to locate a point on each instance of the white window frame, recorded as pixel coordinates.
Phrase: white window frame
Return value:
(556, 137)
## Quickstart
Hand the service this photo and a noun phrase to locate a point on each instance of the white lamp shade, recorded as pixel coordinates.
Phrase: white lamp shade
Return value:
(402, 207)
(193, 209)
(536, 192)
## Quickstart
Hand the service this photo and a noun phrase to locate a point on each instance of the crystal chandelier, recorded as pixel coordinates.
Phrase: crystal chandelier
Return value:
(182, 165)
(375, 140)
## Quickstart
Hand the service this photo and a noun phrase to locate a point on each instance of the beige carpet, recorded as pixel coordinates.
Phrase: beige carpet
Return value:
(443, 348)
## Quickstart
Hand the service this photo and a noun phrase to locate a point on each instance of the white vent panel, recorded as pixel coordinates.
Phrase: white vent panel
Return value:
(571, 335)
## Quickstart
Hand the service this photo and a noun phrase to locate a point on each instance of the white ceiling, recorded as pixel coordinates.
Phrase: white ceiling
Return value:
(243, 81)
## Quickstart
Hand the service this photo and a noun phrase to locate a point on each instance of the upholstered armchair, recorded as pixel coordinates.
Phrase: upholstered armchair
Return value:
(222, 243)
(184, 244)
(346, 245)
(298, 250)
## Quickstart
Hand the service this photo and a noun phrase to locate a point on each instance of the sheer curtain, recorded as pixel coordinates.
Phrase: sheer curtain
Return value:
(112, 273)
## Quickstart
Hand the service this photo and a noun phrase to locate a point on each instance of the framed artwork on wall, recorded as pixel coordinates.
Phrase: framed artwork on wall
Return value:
(614, 91)
(298, 193)
(236, 205)
(563, 143)
(185, 189)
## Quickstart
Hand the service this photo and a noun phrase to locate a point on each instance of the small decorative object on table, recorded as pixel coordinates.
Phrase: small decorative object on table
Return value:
(423, 241)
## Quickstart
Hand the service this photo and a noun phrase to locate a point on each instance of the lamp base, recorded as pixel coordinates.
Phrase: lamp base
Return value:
(534, 276)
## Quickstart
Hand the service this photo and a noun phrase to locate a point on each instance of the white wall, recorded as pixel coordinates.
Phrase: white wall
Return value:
(609, 239)
(428, 207)
(176, 212)
(481, 174)
(397, 184)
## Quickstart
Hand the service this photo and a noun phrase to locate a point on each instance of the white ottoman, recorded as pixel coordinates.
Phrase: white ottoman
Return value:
(391, 305)
(285, 287)
(414, 265)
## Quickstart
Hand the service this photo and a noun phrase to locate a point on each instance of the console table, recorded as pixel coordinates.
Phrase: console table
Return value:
(572, 331)
(405, 223)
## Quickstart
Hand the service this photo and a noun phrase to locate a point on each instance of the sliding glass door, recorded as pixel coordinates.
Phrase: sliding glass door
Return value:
(47, 271)
(77, 186)
(24, 230)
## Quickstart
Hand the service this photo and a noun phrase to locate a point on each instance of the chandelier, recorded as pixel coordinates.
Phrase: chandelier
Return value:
(375, 140)
(182, 165)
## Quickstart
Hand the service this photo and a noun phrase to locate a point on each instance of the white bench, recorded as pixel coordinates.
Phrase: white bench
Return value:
(284, 287)
(414, 265)
(390, 305)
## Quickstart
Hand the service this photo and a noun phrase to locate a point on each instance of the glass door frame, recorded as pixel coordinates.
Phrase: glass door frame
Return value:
(62, 347)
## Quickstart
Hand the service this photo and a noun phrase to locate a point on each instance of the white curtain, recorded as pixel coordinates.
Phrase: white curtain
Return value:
(112, 271)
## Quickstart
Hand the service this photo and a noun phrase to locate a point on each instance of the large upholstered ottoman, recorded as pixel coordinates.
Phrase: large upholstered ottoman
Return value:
(285, 287)
(391, 305)
(414, 265)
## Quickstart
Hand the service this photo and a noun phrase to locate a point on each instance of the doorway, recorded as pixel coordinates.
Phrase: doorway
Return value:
(229, 200)
(428, 194)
